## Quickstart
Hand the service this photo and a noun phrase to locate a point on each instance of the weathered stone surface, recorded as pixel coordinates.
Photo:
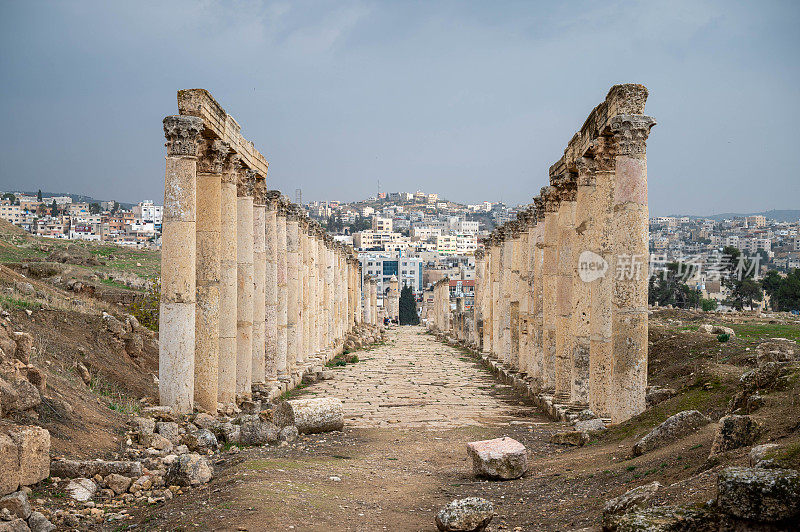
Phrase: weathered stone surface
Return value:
(760, 455)
(667, 519)
(9, 465)
(590, 425)
(24, 346)
(15, 525)
(674, 428)
(18, 395)
(766, 495)
(156, 441)
(288, 433)
(257, 432)
(81, 489)
(635, 498)
(570, 437)
(170, 430)
(33, 444)
(204, 421)
(501, 458)
(17, 503)
(118, 483)
(89, 468)
(657, 395)
(717, 329)
(765, 376)
(472, 514)
(776, 350)
(189, 470)
(227, 432)
(734, 432)
(310, 416)
(39, 523)
(201, 440)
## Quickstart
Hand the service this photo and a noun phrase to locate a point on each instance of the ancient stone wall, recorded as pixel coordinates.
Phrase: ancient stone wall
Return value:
(561, 292)
(253, 292)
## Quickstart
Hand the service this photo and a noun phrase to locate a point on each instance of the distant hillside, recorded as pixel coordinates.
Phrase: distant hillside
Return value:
(76, 198)
(789, 215)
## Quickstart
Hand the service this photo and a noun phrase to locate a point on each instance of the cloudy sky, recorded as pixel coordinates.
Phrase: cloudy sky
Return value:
(473, 100)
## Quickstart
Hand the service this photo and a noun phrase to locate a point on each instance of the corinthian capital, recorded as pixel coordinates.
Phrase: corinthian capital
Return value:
(630, 133)
(587, 171)
(603, 149)
(259, 190)
(272, 197)
(230, 168)
(212, 156)
(183, 134)
(246, 182)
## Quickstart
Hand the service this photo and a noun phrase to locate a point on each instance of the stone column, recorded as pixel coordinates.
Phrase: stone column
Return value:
(517, 297)
(228, 291)
(585, 211)
(392, 297)
(271, 285)
(207, 262)
(357, 283)
(244, 283)
(630, 236)
(314, 347)
(259, 281)
(549, 283)
(293, 332)
(537, 311)
(302, 354)
(496, 269)
(564, 343)
(477, 305)
(330, 337)
(178, 244)
(505, 293)
(373, 294)
(282, 262)
(322, 255)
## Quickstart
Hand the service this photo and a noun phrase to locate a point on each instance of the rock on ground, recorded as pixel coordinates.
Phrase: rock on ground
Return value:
(674, 428)
(90, 468)
(189, 470)
(118, 483)
(17, 503)
(667, 519)
(501, 458)
(776, 350)
(570, 437)
(635, 498)
(590, 425)
(760, 455)
(257, 432)
(734, 432)
(81, 489)
(463, 515)
(766, 495)
(310, 416)
(33, 444)
(15, 525)
(9, 465)
(39, 523)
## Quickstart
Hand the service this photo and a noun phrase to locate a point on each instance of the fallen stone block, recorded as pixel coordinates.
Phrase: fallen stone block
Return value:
(667, 519)
(81, 489)
(762, 495)
(761, 455)
(472, 514)
(310, 416)
(570, 437)
(39, 523)
(118, 483)
(501, 458)
(15, 525)
(590, 425)
(734, 432)
(776, 350)
(90, 468)
(189, 470)
(257, 432)
(673, 429)
(9, 465)
(635, 498)
(33, 444)
(16, 503)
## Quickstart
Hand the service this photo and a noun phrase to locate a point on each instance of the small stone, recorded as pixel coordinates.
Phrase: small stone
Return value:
(635, 498)
(39, 523)
(15, 525)
(472, 514)
(204, 421)
(501, 458)
(759, 455)
(570, 437)
(590, 425)
(118, 483)
(169, 430)
(189, 470)
(287, 434)
(257, 432)
(143, 425)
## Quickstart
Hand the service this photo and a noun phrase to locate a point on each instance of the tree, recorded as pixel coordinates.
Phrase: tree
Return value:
(708, 305)
(10, 197)
(787, 296)
(94, 208)
(739, 278)
(669, 289)
(408, 307)
(39, 195)
(54, 208)
(114, 207)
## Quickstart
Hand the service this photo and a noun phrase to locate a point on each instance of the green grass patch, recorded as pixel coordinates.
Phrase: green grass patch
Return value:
(764, 331)
(11, 303)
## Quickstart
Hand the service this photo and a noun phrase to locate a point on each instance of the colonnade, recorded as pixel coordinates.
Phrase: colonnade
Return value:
(253, 292)
(561, 292)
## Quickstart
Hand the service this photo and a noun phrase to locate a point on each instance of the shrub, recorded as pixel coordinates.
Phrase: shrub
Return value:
(724, 337)
(708, 305)
(145, 306)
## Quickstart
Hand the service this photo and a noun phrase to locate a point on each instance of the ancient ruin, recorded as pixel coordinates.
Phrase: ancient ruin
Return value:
(561, 292)
(253, 292)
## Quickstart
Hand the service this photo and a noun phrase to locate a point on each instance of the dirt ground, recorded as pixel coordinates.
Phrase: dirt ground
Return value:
(395, 477)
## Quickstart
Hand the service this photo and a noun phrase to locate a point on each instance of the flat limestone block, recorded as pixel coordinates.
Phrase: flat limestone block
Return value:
(9, 465)
(34, 454)
(320, 414)
(501, 458)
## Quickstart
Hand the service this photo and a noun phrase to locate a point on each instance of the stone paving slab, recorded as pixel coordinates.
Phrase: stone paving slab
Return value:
(417, 381)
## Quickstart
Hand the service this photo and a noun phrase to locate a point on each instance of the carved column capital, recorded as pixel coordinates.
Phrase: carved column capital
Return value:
(272, 198)
(631, 132)
(551, 199)
(183, 135)
(587, 171)
(212, 156)
(245, 182)
(230, 168)
(259, 191)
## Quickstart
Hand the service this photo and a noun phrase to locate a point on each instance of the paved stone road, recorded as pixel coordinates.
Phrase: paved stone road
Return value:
(416, 381)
